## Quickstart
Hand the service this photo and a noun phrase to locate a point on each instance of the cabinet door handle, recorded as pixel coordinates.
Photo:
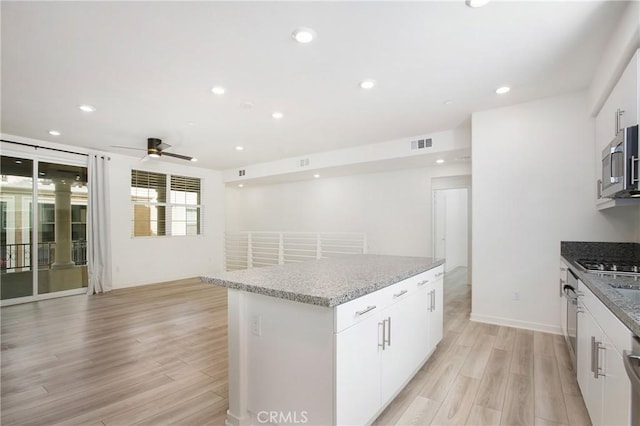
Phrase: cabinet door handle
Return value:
(389, 332)
(364, 311)
(383, 324)
(433, 300)
(593, 356)
(423, 282)
(619, 113)
(634, 179)
(599, 347)
(400, 294)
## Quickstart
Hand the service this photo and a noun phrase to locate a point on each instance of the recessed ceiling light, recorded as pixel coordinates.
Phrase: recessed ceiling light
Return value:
(239, 148)
(218, 90)
(194, 159)
(303, 35)
(54, 133)
(502, 90)
(240, 185)
(476, 3)
(316, 176)
(448, 102)
(439, 161)
(191, 123)
(277, 115)
(87, 108)
(367, 84)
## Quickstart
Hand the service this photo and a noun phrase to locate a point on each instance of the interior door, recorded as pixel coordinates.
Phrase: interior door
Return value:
(440, 224)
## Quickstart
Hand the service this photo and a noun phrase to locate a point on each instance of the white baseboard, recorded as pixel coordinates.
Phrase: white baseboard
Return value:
(508, 322)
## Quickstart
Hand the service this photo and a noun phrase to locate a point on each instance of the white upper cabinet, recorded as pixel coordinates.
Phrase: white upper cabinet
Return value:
(621, 108)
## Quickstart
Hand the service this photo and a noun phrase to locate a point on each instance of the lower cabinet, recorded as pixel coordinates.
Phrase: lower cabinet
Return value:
(602, 379)
(435, 308)
(358, 372)
(391, 333)
(406, 343)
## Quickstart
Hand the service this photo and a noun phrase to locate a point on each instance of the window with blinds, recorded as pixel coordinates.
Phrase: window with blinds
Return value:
(165, 204)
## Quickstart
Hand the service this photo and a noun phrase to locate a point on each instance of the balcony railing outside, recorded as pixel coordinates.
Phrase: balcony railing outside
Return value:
(17, 257)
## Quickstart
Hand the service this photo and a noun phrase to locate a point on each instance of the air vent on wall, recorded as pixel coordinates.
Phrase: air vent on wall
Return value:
(241, 172)
(304, 162)
(421, 143)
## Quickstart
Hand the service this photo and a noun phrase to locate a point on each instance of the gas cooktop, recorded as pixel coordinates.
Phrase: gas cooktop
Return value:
(611, 266)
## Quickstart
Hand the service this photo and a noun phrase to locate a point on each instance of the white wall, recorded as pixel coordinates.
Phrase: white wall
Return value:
(532, 187)
(146, 260)
(393, 208)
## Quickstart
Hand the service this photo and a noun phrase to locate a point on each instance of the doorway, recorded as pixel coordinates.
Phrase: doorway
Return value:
(451, 227)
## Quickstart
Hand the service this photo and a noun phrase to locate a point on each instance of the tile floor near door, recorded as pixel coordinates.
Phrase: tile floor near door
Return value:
(157, 355)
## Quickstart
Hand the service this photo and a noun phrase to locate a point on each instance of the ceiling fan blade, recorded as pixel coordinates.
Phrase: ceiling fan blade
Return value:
(127, 147)
(182, 157)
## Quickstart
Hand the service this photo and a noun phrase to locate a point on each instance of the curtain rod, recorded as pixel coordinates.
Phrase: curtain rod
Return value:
(43, 147)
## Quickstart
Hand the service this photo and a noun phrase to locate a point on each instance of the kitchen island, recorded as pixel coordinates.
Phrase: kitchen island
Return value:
(330, 341)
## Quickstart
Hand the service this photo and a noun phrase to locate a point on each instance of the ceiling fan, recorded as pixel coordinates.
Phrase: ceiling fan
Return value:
(156, 148)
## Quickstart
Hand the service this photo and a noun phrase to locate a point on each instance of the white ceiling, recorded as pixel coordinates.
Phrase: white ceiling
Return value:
(148, 68)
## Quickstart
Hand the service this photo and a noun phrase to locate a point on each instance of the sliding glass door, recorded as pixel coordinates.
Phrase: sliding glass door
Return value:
(16, 195)
(49, 259)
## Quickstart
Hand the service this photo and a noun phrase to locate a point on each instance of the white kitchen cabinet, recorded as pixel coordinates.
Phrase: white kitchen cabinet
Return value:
(620, 110)
(563, 301)
(406, 340)
(358, 372)
(435, 308)
(592, 387)
(601, 376)
(378, 354)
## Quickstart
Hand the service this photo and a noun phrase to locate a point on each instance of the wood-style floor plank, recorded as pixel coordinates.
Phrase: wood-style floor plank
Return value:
(116, 358)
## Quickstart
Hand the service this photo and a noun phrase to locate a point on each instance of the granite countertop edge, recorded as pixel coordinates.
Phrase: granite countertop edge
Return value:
(329, 302)
(619, 305)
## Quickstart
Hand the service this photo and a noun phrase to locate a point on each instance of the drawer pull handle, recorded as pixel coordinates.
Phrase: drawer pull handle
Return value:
(400, 294)
(364, 311)
(423, 282)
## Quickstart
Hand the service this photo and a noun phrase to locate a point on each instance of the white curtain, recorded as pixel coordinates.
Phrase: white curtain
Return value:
(98, 226)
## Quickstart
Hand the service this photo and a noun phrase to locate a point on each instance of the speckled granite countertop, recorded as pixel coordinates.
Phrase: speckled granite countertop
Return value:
(325, 282)
(627, 310)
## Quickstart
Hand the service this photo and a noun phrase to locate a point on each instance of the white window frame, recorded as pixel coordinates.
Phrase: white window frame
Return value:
(168, 205)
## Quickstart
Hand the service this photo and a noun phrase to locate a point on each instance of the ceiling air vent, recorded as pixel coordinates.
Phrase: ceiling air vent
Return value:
(241, 172)
(304, 162)
(421, 143)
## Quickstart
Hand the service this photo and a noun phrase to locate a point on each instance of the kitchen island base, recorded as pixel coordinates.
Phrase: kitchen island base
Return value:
(300, 363)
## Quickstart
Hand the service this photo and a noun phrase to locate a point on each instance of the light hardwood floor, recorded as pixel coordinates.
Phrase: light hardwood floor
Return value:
(482, 374)
(157, 355)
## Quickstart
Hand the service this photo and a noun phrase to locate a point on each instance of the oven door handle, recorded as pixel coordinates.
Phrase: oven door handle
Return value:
(632, 371)
(566, 290)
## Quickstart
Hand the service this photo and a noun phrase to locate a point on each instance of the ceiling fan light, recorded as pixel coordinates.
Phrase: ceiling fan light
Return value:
(194, 159)
(154, 155)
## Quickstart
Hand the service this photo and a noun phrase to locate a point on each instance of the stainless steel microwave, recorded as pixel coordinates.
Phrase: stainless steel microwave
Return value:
(620, 165)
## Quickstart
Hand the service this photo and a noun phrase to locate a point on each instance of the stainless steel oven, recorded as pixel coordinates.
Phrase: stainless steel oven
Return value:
(570, 291)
